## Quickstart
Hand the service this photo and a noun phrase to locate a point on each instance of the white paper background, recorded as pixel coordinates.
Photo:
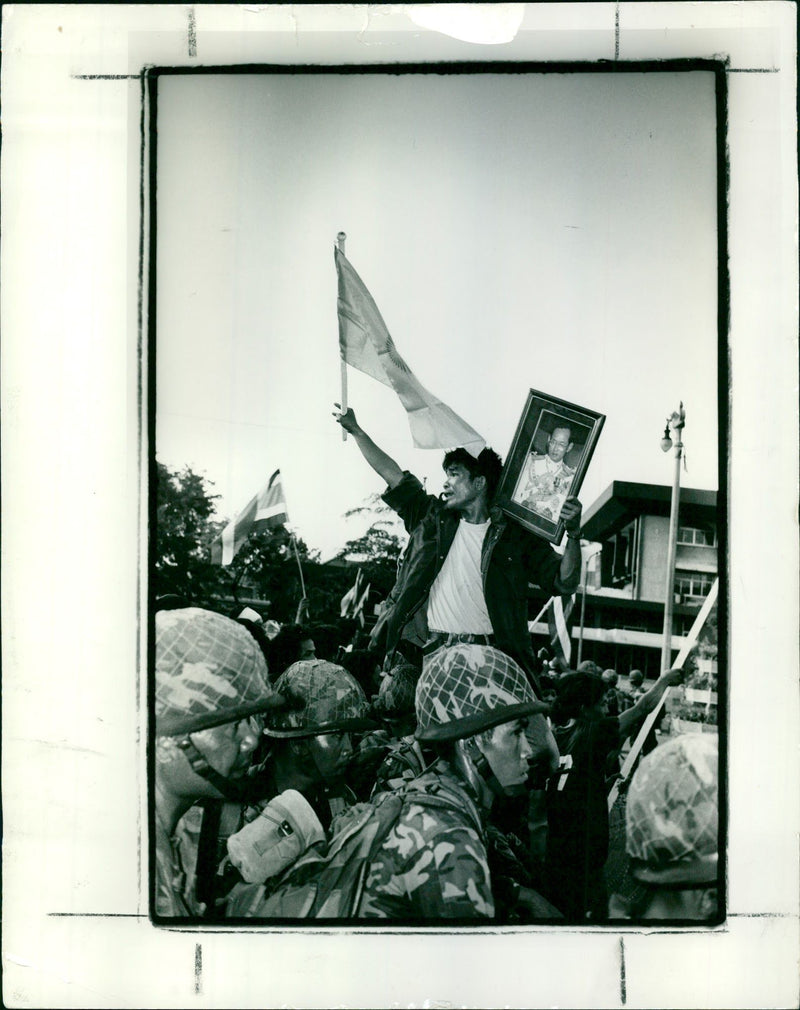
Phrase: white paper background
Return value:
(74, 870)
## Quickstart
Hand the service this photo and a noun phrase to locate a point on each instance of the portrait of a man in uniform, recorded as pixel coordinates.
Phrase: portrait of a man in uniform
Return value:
(546, 477)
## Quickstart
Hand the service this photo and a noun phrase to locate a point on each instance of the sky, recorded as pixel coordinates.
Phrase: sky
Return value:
(551, 231)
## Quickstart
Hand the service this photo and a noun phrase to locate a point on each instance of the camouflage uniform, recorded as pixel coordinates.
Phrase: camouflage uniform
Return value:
(433, 863)
(174, 886)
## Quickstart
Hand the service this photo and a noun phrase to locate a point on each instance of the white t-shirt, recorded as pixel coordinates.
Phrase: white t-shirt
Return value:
(456, 601)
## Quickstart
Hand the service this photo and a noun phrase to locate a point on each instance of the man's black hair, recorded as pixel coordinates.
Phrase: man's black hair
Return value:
(577, 691)
(488, 465)
(258, 634)
(327, 639)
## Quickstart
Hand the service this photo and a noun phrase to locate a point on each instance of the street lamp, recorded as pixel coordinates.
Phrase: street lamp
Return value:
(675, 423)
(585, 559)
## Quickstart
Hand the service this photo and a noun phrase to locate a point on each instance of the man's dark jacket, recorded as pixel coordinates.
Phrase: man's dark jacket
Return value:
(510, 559)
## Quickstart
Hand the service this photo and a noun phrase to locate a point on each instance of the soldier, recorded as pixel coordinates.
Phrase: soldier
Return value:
(211, 691)
(306, 747)
(472, 705)
(310, 741)
(672, 829)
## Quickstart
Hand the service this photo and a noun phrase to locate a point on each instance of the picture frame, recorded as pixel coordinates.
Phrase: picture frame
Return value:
(549, 456)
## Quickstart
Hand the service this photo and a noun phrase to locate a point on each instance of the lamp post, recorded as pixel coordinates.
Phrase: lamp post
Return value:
(675, 423)
(585, 559)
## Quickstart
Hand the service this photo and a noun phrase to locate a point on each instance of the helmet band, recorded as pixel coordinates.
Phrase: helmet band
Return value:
(193, 722)
(355, 725)
(472, 724)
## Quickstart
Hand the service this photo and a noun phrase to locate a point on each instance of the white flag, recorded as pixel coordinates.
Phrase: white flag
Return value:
(365, 343)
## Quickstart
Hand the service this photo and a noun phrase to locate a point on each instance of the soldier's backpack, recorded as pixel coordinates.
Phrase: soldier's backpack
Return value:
(327, 882)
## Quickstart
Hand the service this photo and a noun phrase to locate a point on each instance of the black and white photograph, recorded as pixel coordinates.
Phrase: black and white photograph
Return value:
(448, 282)
(397, 392)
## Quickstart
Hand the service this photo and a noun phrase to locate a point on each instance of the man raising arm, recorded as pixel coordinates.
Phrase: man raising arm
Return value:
(380, 462)
(465, 574)
(569, 572)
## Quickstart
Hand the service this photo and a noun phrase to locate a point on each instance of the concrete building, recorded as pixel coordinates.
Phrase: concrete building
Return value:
(625, 573)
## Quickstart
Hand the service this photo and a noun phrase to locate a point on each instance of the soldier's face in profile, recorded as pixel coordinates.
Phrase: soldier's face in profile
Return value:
(331, 753)
(508, 750)
(559, 444)
(229, 748)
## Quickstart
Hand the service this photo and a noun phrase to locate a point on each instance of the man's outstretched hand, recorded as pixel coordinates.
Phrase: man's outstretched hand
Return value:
(674, 677)
(346, 418)
(571, 514)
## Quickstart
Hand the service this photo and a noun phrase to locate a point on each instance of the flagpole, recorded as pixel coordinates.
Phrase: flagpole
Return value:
(340, 240)
(299, 567)
(585, 574)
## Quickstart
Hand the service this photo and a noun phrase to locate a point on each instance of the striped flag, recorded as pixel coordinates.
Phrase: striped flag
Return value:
(365, 343)
(266, 511)
(559, 623)
(348, 601)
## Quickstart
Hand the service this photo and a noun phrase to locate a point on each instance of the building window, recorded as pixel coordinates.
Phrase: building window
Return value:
(691, 535)
(693, 585)
(616, 559)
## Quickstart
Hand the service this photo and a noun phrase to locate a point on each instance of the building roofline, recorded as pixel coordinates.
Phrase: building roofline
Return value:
(624, 501)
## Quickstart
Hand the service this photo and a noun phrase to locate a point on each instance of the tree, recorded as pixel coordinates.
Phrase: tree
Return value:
(186, 526)
(184, 531)
(267, 565)
(377, 551)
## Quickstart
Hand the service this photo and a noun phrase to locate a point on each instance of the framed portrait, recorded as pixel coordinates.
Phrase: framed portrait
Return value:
(549, 457)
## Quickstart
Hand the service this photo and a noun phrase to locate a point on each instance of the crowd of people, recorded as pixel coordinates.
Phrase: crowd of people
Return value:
(440, 769)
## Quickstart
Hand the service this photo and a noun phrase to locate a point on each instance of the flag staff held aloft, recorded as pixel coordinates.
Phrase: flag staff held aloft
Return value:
(365, 344)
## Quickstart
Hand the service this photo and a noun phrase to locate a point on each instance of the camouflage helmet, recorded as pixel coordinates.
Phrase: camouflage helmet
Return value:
(467, 688)
(672, 813)
(396, 691)
(209, 671)
(321, 698)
